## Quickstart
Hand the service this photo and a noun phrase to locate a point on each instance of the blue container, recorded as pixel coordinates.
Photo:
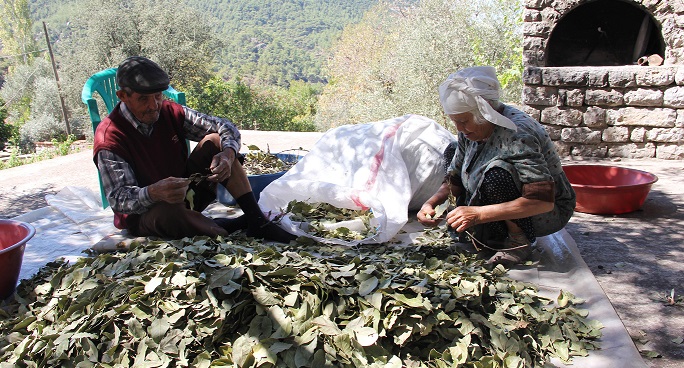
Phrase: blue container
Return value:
(258, 182)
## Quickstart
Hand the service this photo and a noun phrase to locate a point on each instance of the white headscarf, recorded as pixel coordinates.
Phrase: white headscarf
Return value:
(467, 89)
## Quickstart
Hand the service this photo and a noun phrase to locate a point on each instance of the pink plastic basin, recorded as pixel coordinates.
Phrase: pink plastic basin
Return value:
(13, 237)
(609, 190)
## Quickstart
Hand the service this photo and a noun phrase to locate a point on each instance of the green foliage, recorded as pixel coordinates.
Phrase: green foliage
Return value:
(33, 104)
(275, 42)
(105, 32)
(7, 130)
(392, 62)
(263, 41)
(63, 144)
(16, 29)
(258, 109)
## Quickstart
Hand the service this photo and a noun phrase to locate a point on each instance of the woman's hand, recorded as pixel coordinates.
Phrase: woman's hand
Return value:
(171, 190)
(222, 166)
(464, 217)
(426, 216)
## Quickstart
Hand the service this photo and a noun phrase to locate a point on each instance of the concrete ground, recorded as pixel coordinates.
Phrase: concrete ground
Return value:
(636, 259)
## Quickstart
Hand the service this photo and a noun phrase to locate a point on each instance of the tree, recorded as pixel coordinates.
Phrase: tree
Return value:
(251, 107)
(392, 62)
(16, 29)
(108, 31)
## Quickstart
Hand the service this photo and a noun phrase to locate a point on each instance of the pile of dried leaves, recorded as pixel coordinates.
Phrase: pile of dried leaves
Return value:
(236, 302)
(258, 162)
(327, 221)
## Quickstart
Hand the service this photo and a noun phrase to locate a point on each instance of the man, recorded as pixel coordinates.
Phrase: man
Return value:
(143, 160)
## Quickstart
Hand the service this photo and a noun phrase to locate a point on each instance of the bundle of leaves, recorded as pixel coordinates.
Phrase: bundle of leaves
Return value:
(236, 302)
(258, 162)
(327, 221)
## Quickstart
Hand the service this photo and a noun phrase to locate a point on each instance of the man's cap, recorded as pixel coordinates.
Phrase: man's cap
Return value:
(142, 75)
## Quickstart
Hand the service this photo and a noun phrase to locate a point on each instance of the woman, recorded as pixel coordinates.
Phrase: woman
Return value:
(505, 173)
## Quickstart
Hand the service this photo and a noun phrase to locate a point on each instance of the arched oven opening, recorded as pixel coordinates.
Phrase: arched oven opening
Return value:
(604, 33)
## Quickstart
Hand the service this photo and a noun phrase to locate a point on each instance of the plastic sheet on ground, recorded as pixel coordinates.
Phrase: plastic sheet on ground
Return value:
(72, 222)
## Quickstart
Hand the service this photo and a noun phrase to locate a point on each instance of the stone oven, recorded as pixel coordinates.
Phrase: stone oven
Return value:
(606, 77)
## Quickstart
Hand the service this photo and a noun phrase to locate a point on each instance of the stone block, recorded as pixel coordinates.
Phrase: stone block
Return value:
(533, 44)
(539, 29)
(531, 111)
(563, 149)
(563, 117)
(616, 134)
(679, 76)
(562, 7)
(569, 77)
(533, 57)
(532, 75)
(553, 132)
(531, 15)
(580, 135)
(655, 76)
(571, 97)
(633, 150)
(595, 117)
(542, 96)
(644, 97)
(638, 135)
(592, 150)
(670, 152)
(665, 135)
(536, 4)
(679, 123)
(622, 77)
(648, 117)
(550, 15)
(597, 77)
(601, 97)
(674, 97)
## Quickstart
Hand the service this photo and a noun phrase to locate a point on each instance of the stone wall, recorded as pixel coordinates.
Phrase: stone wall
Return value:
(630, 111)
(616, 111)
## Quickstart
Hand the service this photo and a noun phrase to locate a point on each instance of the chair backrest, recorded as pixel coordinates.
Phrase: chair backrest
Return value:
(104, 83)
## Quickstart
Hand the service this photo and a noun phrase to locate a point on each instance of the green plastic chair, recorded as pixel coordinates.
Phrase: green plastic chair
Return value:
(104, 83)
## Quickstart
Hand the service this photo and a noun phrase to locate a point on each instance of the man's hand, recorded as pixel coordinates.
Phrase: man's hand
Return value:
(171, 190)
(221, 166)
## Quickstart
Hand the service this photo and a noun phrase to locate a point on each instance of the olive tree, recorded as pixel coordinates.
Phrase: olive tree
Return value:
(105, 32)
(392, 62)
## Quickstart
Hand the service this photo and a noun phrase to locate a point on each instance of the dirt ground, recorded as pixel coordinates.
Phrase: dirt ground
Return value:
(637, 258)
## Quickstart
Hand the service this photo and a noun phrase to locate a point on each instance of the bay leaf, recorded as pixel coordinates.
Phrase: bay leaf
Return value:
(367, 286)
(366, 336)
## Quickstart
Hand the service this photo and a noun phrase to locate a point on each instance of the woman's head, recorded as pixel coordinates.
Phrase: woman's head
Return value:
(474, 90)
(472, 125)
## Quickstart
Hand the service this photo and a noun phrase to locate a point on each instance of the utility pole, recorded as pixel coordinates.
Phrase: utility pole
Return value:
(59, 88)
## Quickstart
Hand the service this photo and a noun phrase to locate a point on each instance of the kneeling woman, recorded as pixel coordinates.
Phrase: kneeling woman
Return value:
(505, 173)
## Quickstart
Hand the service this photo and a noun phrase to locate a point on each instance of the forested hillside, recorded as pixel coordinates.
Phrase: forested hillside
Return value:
(278, 41)
(259, 63)
(265, 41)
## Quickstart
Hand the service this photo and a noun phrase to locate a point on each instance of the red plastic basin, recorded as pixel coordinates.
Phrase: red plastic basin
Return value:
(13, 237)
(609, 190)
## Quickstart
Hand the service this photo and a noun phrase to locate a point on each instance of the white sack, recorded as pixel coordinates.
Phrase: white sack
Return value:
(390, 166)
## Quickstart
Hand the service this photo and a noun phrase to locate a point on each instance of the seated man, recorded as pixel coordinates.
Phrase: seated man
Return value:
(142, 157)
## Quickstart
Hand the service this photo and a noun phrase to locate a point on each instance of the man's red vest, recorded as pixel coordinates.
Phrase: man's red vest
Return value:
(159, 156)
